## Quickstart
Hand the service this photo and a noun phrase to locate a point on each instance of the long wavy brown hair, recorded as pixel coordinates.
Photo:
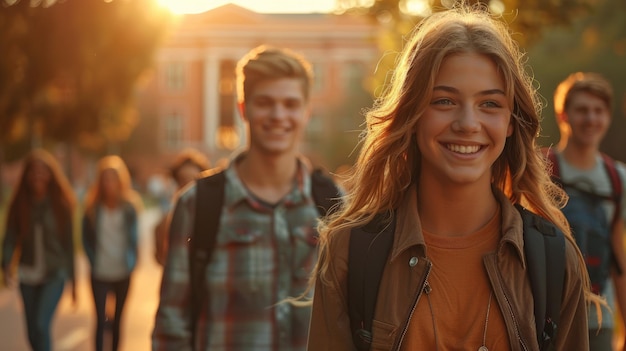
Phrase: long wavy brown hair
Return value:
(59, 192)
(127, 193)
(389, 159)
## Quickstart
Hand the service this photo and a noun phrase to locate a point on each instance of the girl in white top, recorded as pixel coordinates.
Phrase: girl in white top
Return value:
(110, 240)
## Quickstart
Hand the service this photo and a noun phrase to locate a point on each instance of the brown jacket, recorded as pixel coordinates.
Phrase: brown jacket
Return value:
(401, 286)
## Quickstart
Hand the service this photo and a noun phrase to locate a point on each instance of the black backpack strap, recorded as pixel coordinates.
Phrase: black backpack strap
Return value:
(544, 248)
(369, 249)
(325, 193)
(209, 201)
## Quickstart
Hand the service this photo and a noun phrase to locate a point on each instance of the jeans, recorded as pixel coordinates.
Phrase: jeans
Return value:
(101, 289)
(40, 302)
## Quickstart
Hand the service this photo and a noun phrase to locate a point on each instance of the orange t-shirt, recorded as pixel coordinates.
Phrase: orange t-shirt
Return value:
(459, 296)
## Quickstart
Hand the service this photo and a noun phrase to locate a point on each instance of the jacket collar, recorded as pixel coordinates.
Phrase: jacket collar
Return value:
(408, 225)
(409, 230)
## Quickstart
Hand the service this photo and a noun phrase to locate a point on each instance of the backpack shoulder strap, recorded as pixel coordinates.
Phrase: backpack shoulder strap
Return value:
(325, 193)
(209, 201)
(616, 185)
(544, 248)
(369, 250)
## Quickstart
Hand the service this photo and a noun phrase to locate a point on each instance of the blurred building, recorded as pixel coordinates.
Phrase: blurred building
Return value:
(190, 99)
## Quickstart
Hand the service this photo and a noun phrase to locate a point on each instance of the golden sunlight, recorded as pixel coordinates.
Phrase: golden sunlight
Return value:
(274, 6)
(180, 7)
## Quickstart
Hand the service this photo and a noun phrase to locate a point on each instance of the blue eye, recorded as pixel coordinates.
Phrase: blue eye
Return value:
(442, 102)
(491, 104)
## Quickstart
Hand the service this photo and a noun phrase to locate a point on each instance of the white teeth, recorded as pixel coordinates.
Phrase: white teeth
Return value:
(276, 130)
(463, 149)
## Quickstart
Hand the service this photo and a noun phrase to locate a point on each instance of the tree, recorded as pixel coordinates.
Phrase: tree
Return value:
(527, 19)
(595, 43)
(69, 70)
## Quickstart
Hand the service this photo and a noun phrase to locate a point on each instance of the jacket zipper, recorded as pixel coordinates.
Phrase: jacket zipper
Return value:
(423, 285)
(508, 302)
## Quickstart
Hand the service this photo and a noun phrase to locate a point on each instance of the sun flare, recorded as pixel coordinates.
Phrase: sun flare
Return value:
(273, 6)
(180, 7)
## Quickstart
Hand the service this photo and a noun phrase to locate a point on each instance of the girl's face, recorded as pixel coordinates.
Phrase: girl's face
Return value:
(110, 183)
(464, 128)
(39, 177)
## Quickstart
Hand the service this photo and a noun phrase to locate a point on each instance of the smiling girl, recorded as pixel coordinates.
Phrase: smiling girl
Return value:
(449, 151)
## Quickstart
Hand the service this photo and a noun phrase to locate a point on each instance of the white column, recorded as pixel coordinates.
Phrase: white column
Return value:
(211, 101)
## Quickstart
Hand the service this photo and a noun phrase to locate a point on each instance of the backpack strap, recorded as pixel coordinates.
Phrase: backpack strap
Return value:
(368, 252)
(616, 185)
(611, 170)
(209, 201)
(544, 248)
(325, 193)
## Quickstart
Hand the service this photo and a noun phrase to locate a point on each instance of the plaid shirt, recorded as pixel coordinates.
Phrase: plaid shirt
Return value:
(263, 255)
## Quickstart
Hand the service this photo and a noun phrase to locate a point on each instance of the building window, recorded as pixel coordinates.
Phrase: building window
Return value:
(227, 93)
(318, 77)
(175, 76)
(174, 130)
(353, 75)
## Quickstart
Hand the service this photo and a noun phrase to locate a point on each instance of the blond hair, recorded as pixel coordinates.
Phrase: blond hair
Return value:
(127, 193)
(265, 63)
(588, 82)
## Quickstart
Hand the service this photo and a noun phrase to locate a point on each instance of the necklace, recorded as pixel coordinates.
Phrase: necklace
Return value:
(483, 347)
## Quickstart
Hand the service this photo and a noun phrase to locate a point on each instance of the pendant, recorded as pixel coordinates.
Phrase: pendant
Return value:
(483, 348)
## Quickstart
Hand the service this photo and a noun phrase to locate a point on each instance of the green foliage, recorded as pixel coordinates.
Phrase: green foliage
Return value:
(595, 43)
(70, 70)
(561, 36)
(527, 20)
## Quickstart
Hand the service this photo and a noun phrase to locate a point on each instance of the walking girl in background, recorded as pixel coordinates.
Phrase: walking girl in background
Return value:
(448, 161)
(39, 235)
(110, 240)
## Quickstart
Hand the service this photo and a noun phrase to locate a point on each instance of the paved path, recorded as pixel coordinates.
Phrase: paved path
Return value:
(73, 326)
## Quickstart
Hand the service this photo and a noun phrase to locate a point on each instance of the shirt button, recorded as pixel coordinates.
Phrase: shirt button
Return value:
(413, 261)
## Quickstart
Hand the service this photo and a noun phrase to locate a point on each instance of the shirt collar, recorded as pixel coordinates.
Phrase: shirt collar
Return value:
(236, 192)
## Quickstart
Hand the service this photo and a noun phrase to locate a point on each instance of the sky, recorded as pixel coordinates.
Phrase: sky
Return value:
(268, 6)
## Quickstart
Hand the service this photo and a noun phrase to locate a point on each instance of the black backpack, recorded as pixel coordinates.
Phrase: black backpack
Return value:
(544, 247)
(590, 227)
(210, 197)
